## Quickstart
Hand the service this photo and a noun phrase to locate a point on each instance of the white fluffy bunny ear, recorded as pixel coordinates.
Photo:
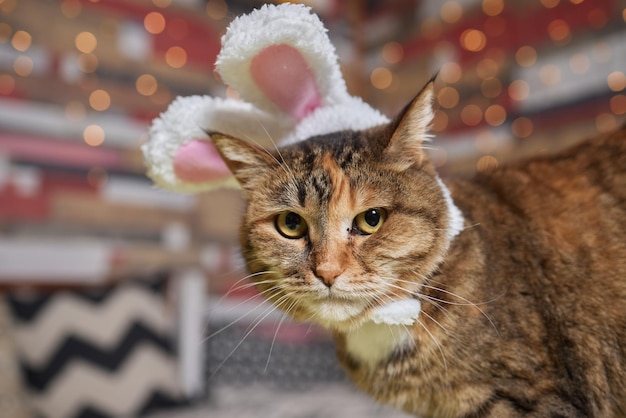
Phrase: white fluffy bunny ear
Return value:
(280, 59)
(180, 155)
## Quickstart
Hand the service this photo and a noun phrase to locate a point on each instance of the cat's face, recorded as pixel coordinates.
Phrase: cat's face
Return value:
(339, 225)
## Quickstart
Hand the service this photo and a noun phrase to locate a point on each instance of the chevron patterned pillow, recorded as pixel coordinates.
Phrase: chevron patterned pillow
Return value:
(98, 353)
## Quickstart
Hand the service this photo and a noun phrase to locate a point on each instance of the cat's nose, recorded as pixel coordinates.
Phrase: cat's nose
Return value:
(328, 273)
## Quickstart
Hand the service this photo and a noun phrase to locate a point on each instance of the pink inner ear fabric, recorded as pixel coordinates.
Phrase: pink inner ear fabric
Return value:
(198, 162)
(283, 75)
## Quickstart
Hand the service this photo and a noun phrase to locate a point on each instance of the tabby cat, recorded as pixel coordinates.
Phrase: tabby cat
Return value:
(503, 295)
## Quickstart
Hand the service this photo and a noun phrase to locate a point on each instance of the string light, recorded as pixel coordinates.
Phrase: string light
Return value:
(473, 40)
(217, 9)
(471, 115)
(486, 164)
(451, 12)
(495, 115)
(23, 66)
(154, 22)
(519, 90)
(71, 8)
(522, 127)
(99, 100)
(526, 56)
(448, 97)
(381, 78)
(392, 52)
(492, 7)
(616, 81)
(85, 42)
(579, 63)
(146, 85)
(94, 135)
(491, 87)
(21, 40)
(176, 57)
(618, 104)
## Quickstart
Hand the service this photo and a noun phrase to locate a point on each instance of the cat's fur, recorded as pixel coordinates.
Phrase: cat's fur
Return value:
(522, 291)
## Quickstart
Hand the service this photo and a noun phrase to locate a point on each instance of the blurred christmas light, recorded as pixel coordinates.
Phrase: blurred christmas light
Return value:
(471, 115)
(23, 66)
(550, 74)
(71, 8)
(392, 52)
(495, 115)
(473, 40)
(85, 42)
(601, 52)
(550, 4)
(618, 104)
(487, 68)
(99, 100)
(450, 72)
(162, 3)
(94, 135)
(154, 22)
(75, 111)
(616, 81)
(576, 1)
(88, 63)
(217, 9)
(7, 84)
(448, 97)
(526, 56)
(381, 78)
(176, 57)
(559, 31)
(451, 12)
(487, 164)
(486, 141)
(493, 7)
(522, 127)
(579, 63)
(21, 40)
(519, 90)
(431, 28)
(146, 85)
(491, 87)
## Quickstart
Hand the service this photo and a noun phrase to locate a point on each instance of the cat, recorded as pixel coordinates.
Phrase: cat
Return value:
(501, 295)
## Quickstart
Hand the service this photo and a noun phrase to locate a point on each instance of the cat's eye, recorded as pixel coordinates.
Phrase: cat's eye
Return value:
(291, 225)
(370, 221)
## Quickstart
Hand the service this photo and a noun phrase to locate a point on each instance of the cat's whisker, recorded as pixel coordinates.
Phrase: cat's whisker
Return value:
(436, 342)
(280, 322)
(258, 320)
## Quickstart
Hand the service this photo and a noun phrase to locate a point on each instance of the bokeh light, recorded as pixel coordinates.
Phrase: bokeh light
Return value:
(99, 100)
(495, 115)
(522, 127)
(451, 12)
(94, 135)
(550, 4)
(71, 8)
(23, 66)
(176, 57)
(450, 72)
(519, 90)
(606, 122)
(154, 22)
(526, 56)
(616, 81)
(7, 84)
(579, 63)
(381, 78)
(86, 42)
(392, 52)
(217, 9)
(473, 40)
(491, 87)
(550, 74)
(21, 40)
(471, 115)
(146, 85)
(448, 97)
(492, 7)
(618, 104)
(487, 164)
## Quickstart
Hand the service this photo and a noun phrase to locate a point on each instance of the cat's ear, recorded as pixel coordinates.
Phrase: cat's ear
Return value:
(409, 130)
(245, 160)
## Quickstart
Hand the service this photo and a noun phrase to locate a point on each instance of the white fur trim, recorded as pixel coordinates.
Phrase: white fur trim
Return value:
(353, 114)
(291, 24)
(187, 119)
(455, 216)
(401, 312)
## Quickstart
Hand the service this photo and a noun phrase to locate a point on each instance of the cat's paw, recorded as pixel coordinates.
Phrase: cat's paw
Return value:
(401, 312)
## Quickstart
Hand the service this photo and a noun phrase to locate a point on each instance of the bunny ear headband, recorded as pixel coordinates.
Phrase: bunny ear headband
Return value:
(281, 62)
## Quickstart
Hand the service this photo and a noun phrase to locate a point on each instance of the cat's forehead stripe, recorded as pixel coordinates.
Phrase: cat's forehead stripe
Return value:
(342, 196)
